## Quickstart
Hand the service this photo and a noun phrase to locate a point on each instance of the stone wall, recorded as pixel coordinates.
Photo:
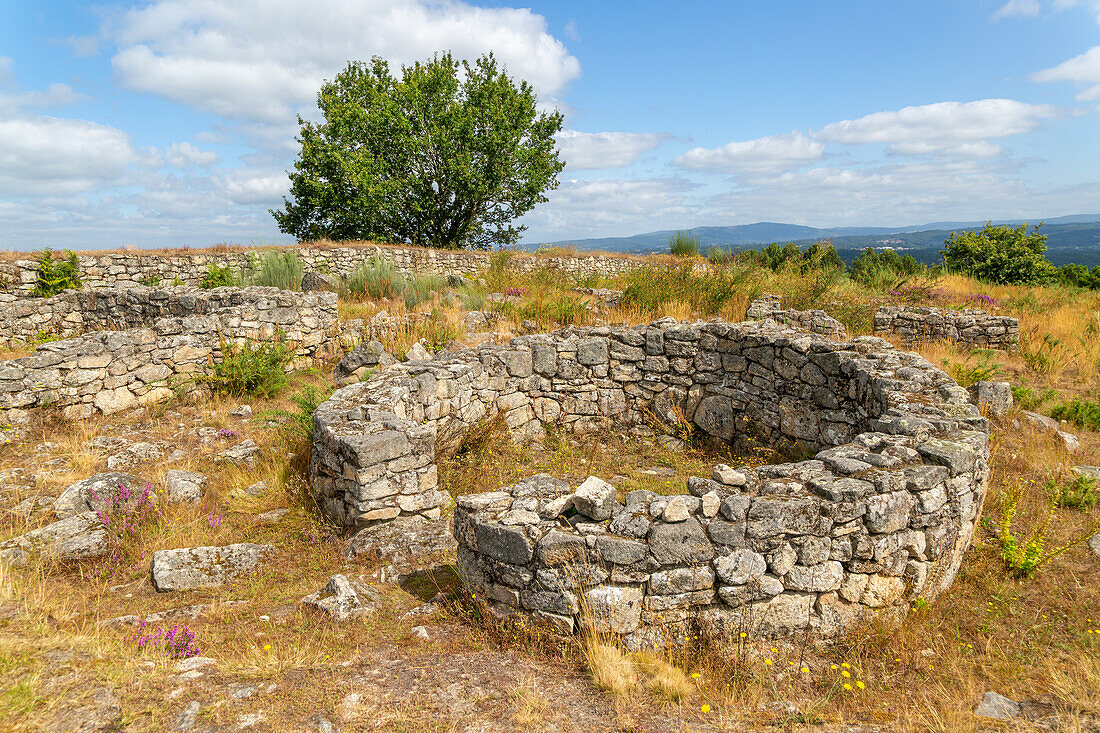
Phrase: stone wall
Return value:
(150, 268)
(970, 327)
(882, 514)
(248, 312)
(814, 321)
(182, 333)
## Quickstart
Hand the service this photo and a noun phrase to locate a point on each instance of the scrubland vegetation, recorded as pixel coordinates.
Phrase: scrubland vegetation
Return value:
(1023, 617)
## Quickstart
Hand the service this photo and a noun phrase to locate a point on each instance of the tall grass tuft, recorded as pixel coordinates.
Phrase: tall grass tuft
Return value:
(281, 270)
(376, 278)
(684, 244)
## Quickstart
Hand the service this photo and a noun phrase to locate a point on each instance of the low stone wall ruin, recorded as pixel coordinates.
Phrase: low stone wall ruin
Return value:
(178, 333)
(882, 514)
(814, 321)
(971, 327)
(119, 269)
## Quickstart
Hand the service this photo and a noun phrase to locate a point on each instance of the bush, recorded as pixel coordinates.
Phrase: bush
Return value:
(1080, 412)
(297, 426)
(651, 288)
(720, 255)
(218, 276)
(1078, 493)
(885, 270)
(1080, 276)
(1000, 254)
(281, 270)
(819, 256)
(421, 288)
(1028, 399)
(683, 244)
(56, 275)
(250, 368)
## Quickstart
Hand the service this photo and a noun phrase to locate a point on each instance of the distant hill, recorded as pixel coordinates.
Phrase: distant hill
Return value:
(1073, 238)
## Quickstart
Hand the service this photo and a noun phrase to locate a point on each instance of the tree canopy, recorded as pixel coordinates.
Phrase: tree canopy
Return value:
(448, 155)
(1000, 254)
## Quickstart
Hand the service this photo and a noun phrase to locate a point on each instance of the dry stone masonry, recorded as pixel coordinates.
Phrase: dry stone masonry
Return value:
(170, 335)
(879, 516)
(120, 269)
(971, 327)
(814, 321)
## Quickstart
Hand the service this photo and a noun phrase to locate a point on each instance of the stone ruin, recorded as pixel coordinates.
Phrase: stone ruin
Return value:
(814, 321)
(125, 348)
(879, 516)
(970, 327)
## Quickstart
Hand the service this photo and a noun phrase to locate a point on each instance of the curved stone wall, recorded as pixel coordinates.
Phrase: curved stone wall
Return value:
(882, 514)
(814, 321)
(168, 335)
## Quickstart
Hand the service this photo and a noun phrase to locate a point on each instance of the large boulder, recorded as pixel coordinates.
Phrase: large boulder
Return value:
(404, 542)
(314, 281)
(98, 492)
(78, 537)
(205, 567)
(185, 486)
(361, 360)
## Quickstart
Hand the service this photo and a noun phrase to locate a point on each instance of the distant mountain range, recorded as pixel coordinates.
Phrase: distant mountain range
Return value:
(1073, 238)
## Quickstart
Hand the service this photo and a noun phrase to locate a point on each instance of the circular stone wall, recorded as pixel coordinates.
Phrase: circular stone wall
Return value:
(881, 515)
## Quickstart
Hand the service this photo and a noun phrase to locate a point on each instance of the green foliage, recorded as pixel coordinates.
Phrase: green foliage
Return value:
(820, 256)
(447, 155)
(683, 244)
(1080, 412)
(979, 366)
(1029, 399)
(1044, 356)
(1080, 276)
(218, 276)
(1024, 556)
(56, 275)
(885, 270)
(720, 255)
(421, 288)
(150, 281)
(275, 269)
(297, 426)
(250, 368)
(1077, 493)
(1000, 254)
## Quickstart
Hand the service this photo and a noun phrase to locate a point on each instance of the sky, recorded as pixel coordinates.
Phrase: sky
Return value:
(173, 122)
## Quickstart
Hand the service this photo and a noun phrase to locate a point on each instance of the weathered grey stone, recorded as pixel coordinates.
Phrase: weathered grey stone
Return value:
(82, 496)
(992, 398)
(595, 498)
(205, 567)
(245, 453)
(819, 578)
(681, 543)
(342, 599)
(997, 707)
(76, 537)
(740, 567)
(507, 544)
(681, 580)
(185, 486)
(614, 609)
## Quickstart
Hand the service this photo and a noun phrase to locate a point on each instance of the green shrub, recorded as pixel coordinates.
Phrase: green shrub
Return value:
(821, 256)
(1028, 399)
(297, 426)
(56, 275)
(281, 270)
(250, 368)
(1082, 413)
(1023, 557)
(1000, 254)
(885, 270)
(421, 288)
(378, 277)
(720, 255)
(1077, 493)
(683, 244)
(1080, 276)
(218, 276)
(968, 373)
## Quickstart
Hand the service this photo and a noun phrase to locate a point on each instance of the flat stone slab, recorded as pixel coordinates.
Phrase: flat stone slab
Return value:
(185, 486)
(78, 537)
(81, 496)
(205, 567)
(403, 541)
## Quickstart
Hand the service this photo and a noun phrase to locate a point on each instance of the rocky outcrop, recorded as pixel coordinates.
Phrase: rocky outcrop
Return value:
(970, 327)
(342, 599)
(77, 537)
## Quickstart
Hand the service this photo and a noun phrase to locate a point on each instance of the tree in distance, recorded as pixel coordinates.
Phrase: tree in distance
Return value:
(448, 155)
(1000, 254)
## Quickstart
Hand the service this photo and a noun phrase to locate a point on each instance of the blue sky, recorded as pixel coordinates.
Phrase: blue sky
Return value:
(172, 122)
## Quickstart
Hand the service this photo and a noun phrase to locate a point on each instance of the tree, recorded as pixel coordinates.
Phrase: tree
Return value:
(1000, 254)
(448, 155)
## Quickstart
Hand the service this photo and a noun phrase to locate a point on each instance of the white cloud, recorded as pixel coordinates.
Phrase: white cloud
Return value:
(592, 150)
(1027, 8)
(770, 154)
(608, 206)
(261, 60)
(958, 128)
(185, 155)
(253, 186)
(50, 154)
(1083, 70)
(81, 46)
(55, 95)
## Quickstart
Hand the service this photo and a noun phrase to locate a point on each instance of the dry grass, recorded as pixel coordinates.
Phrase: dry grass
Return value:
(611, 668)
